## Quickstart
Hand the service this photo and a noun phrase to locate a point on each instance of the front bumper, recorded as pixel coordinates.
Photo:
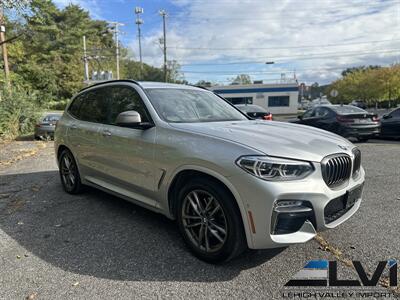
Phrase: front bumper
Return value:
(259, 198)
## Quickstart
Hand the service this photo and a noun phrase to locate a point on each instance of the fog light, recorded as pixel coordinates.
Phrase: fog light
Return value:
(286, 203)
(289, 215)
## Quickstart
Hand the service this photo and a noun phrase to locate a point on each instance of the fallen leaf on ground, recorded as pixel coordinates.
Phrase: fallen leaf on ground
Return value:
(18, 257)
(31, 296)
(75, 284)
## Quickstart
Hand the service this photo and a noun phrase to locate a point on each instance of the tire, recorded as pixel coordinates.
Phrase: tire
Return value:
(69, 173)
(220, 247)
(36, 138)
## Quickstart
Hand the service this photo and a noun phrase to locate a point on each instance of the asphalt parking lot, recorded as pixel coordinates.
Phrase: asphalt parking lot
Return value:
(96, 246)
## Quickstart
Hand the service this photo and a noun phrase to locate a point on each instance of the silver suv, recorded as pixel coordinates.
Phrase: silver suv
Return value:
(230, 182)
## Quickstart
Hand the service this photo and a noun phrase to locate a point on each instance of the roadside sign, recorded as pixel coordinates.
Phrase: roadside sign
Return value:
(334, 93)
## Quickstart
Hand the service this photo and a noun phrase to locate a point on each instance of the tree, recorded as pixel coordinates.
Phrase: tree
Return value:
(241, 79)
(15, 4)
(204, 83)
(174, 72)
(357, 69)
(370, 84)
(49, 59)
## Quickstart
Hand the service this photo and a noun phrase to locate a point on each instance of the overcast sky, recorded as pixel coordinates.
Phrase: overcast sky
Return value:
(217, 39)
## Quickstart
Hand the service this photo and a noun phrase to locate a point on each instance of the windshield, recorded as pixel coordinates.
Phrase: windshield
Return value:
(348, 109)
(191, 106)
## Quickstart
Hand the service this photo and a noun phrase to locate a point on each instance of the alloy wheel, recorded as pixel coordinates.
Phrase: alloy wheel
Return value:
(68, 171)
(204, 221)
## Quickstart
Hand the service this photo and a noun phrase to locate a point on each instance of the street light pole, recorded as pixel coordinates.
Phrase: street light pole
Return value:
(139, 21)
(116, 35)
(163, 13)
(4, 46)
(85, 59)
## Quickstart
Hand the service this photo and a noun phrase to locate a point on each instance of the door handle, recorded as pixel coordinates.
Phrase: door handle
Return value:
(74, 126)
(106, 133)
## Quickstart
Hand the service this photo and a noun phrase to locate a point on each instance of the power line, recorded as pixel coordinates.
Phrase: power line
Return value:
(285, 9)
(299, 57)
(271, 72)
(283, 47)
(230, 72)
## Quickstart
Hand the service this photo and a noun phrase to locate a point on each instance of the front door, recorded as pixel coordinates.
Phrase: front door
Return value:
(127, 154)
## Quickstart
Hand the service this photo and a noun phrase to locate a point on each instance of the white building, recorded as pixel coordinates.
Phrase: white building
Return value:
(276, 98)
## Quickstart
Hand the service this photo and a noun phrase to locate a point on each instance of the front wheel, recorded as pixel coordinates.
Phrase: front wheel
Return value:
(69, 173)
(210, 221)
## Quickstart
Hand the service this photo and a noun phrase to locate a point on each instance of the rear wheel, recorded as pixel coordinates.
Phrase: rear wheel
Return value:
(210, 221)
(69, 173)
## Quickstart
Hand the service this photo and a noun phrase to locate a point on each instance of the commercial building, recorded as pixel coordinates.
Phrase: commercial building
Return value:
(276, 98)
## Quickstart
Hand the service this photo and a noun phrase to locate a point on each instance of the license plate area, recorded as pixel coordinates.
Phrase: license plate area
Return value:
(337, 207)
(353, 195)
(361, 121)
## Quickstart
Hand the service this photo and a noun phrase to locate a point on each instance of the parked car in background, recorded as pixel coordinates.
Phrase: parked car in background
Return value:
(255, 111)
(44, 128)
(230, 182)
(359, 103)
(345, 120)
(304, 104)
(390, 124)
(320, 101)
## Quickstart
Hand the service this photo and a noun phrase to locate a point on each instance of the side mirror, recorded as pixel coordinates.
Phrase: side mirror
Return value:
(386, 116)
(300, 117)
(131, 119)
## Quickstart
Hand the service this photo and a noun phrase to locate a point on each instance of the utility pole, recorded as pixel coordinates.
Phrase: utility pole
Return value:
(4, 46)
(163, 13)
(139, 21)
(115, 28)
(85, 59)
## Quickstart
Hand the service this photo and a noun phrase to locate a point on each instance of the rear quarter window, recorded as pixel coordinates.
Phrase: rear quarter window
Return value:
(75, 105)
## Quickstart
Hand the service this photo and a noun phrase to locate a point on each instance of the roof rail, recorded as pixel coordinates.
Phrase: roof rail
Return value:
(110, 81)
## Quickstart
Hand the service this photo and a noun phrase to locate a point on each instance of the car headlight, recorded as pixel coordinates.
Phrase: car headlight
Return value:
(274, 168)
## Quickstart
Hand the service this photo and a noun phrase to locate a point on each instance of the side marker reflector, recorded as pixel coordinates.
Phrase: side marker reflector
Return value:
(253, 227)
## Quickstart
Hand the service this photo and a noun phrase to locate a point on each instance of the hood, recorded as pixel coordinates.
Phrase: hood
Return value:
(275, 138)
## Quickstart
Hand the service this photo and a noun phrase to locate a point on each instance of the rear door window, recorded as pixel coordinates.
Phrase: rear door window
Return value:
(75, 105)
(94, 106)
(321, 112)
(396, 113)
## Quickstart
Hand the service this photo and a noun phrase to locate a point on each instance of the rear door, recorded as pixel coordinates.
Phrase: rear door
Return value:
(84, 129)
(127, 154)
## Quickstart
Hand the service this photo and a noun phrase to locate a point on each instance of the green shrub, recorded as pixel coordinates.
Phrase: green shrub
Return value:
(19, 111)
(57, 105)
